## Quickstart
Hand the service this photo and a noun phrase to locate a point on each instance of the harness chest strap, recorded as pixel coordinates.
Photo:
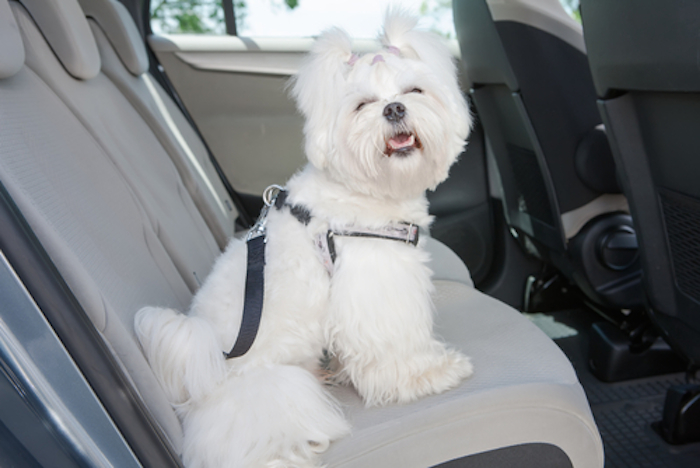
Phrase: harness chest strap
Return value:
(401, 232)
(255, 272)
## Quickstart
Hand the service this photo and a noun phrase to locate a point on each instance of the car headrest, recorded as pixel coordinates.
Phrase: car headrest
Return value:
(66, 30)
(119, 27)
(11, 46)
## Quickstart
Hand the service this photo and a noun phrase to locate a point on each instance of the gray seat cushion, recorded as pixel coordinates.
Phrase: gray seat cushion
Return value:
(524, 390)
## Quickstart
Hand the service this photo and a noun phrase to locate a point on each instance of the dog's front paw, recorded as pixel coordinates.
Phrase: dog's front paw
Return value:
(406, 380)
(447, 373)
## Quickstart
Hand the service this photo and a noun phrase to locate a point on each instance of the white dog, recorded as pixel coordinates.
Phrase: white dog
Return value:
(380, 129)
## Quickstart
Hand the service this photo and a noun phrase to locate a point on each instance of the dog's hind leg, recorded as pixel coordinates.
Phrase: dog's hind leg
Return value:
(182, 351)
(270, 416)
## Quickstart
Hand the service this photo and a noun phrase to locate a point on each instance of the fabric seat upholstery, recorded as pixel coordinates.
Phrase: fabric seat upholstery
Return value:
(88, 219)
(125, 137)
(125, 62)
(523, 391)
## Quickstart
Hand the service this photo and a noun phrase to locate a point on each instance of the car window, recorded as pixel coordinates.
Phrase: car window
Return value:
(571, 7)
(293, 18)
(188, 16)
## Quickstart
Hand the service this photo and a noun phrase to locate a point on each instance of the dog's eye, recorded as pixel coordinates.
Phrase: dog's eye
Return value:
(416, 90)
(361, 105)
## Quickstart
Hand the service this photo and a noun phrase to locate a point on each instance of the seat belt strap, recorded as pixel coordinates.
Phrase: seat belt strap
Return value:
(254, 278)
(254, 294)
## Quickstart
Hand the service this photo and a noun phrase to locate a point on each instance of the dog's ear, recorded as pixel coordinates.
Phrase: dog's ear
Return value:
(317, 89)
(401, 36)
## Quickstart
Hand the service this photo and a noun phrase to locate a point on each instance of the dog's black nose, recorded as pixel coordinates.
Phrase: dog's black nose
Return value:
(394, 112)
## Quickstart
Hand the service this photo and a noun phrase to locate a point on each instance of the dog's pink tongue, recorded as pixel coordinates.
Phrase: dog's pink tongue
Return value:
(402, 140)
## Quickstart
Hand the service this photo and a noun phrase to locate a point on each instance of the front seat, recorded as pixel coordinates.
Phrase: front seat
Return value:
(526, 67)
(644, 59)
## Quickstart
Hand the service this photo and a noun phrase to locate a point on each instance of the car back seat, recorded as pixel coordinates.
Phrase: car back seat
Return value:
(120, 130)
(125, 61)
(83, 193)
(85, 215)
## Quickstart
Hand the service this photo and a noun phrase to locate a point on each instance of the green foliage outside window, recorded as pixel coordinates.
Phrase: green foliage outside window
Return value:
(433, 10)
(573, 7)
(198, 16)
(188, 16)
(207, 16)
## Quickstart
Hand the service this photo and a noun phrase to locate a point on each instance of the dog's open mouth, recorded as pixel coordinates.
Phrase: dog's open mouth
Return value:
(402, 144)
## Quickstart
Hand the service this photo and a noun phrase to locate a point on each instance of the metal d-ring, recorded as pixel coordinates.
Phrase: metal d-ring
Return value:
(260, 226)
(270, 193)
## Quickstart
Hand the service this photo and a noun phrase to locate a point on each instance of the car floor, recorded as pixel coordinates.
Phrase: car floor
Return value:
(624, 411)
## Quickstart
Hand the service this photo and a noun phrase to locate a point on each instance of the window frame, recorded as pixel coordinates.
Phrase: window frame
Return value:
(230, 17)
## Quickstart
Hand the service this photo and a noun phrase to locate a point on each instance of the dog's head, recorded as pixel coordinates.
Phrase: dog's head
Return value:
(388, 123)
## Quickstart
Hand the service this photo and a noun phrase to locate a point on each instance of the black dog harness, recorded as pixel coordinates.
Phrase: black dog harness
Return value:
(255, 272)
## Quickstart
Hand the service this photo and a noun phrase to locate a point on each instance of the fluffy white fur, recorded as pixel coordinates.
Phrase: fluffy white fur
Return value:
(374, 314)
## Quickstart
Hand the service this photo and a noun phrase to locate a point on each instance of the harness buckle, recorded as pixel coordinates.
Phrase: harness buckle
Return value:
(260, 227)
(412, 234)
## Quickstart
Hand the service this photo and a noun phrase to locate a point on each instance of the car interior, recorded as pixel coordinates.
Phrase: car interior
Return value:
(565, 248)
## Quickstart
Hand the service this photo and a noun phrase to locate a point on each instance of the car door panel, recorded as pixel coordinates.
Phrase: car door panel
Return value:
(235, 92)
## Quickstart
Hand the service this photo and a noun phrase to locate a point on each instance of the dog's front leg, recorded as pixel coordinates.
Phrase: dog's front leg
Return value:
(380, 326)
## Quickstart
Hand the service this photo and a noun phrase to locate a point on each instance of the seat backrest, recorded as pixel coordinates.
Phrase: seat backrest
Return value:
(125, 62)
(126, 138)
(526, 64)
(81, 208)
(643, 57)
